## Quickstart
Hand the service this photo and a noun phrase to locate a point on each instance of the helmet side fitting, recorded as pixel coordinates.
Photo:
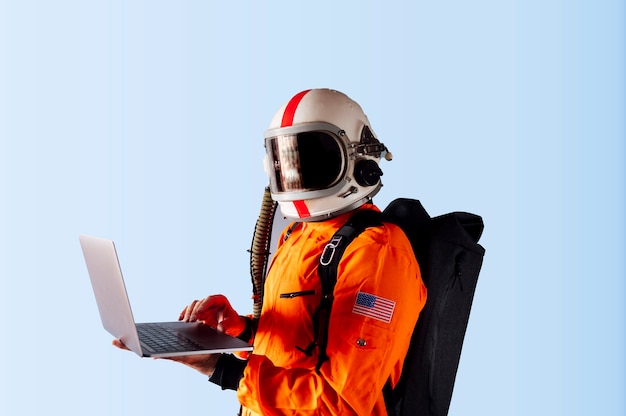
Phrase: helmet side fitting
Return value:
(322, 156)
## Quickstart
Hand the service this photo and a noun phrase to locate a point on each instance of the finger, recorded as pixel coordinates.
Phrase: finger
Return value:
(182, 314)
(211, 309)
(212, 315)
(192, 313)
(233, 326)
(187, 312)
(119, 344)
(202, 309)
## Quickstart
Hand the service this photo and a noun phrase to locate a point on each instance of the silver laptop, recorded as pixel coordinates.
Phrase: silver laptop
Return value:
(160, 339)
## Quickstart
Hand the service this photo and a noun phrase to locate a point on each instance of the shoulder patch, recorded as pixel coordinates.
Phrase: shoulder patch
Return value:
(374, 307)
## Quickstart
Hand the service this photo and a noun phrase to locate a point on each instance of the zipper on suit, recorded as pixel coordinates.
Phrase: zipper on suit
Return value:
(297, 294)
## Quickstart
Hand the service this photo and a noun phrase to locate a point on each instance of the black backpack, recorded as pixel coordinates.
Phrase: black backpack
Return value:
(450, 258)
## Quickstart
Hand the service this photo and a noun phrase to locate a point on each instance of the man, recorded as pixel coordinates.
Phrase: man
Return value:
(322, 161)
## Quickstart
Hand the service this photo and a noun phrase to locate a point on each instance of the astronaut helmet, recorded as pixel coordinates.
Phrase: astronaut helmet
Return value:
(322, 156)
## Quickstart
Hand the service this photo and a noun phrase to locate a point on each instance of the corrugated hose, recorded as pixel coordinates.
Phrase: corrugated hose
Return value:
(260, 250)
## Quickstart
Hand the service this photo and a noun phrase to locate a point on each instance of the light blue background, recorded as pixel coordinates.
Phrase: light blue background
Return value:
(142, 121)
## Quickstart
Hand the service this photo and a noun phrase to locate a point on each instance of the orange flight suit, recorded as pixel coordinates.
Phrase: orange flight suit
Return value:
(366, 344)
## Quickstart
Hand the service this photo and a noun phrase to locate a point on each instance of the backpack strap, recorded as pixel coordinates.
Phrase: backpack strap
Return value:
(328, 264)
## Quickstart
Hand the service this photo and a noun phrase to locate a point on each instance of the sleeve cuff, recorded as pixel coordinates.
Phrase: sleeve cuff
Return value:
(248, 333)
(228, 372)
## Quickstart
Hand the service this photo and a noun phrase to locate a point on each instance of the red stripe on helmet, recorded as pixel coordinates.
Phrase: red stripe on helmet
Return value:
(290, 110)
(303, 210)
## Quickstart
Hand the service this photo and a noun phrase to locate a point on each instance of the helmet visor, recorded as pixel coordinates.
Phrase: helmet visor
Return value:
(307, 161)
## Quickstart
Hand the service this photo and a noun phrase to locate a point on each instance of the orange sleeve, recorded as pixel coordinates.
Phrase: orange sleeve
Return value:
(365, 346)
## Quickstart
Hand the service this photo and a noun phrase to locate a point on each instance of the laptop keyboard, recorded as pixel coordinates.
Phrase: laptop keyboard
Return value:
(164, 339)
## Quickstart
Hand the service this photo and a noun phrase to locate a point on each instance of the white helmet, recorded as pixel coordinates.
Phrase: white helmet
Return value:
(322, 156)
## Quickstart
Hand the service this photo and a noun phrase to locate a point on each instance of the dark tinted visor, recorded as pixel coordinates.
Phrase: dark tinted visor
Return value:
(305, 161)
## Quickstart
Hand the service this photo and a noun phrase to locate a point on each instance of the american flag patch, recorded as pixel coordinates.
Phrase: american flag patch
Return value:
(374, 307)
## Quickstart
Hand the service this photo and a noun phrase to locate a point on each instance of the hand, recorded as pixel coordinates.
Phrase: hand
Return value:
(204, 363)
(216, 312)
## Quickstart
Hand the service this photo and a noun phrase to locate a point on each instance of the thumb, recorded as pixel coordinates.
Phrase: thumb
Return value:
(232, 326)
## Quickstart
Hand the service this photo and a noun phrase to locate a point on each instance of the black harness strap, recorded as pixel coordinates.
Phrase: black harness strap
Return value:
(328, 264)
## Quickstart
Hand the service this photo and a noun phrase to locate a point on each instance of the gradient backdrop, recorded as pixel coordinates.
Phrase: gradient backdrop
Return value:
(142, 121)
